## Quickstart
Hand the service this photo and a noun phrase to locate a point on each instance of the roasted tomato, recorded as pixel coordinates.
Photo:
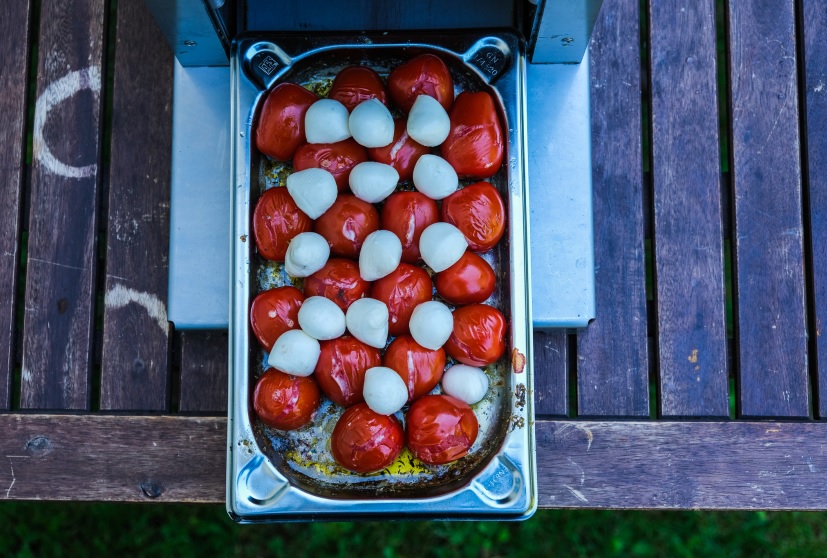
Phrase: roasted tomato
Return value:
(478, 212)
(273, 312)
(469, 280)
(402, 153)
(338, 280)
(402, 290)
(440, 429)
(280, 129)
(407, 214)
(424, 75)
(478, 338)
(420, 368)
(276, 220)
(283, 401)
(475, 143)
(364, 441)
(342, 366)
(346, 225)
(337, 158)
(356, 84)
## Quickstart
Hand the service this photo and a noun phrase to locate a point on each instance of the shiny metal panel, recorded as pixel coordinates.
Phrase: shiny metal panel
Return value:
(561, 30)
(560, 172)
(190, 31)
(199, 252)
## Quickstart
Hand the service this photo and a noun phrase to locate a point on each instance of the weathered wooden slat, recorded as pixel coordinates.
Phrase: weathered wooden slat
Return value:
(203, 372)
(679, 465)
(60, 284)
(551, 374)
(113, 458)
(612, 365)
(586, 464)
(815, 64)
(136, 341)
(771, 304)
(14, 60)
(689, 249)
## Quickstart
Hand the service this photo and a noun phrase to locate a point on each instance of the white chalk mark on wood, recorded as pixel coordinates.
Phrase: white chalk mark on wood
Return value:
(120, 296)
(577, 494)
(11, 468)
(57, 92)
(13, 479)
(579, 468)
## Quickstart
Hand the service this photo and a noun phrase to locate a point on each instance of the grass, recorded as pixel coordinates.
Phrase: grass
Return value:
(35, 529)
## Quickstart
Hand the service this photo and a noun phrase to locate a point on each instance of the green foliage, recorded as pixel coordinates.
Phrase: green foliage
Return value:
(41, 529)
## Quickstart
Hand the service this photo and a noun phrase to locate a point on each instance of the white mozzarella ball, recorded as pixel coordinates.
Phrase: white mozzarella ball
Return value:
(373, 182)
(466, 383)
(380, 255)
(431, 324)
(371, 124)
(435, 177)
(326, 121)
(321, 318)
(442, 245)
(367, 321)
(306, 254)
(295, 353)
(384, 391)
(428, 123)
(313, 190)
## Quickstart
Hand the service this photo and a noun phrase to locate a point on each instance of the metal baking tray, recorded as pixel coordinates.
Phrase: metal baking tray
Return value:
(273, 475)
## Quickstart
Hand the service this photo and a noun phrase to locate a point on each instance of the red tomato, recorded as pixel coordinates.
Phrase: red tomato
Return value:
(420, 368)
(364, 441)
(474, 146)
(280, 129)
(283, 401)
(424, 75)
(402, 153)
(478, 212)
(402, 290)
(440, 429)
(337, 158)
(346, 225)
(273, 312)
(407, 214)
(276, 220)
(469, 280)
(338, 280)
(478, 338)
(356, 84)
(342, 366)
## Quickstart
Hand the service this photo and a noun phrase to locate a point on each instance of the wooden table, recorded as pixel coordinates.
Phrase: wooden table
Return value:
(106, 401)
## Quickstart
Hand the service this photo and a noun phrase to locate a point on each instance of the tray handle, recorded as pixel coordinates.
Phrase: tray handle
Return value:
(490, 56)
(264, 63)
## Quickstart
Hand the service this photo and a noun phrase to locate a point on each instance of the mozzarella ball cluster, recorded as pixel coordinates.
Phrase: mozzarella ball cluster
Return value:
(362, 147)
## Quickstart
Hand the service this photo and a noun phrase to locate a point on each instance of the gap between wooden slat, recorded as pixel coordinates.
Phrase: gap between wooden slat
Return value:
(811, 27)
(107, 88)
(572, 370)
